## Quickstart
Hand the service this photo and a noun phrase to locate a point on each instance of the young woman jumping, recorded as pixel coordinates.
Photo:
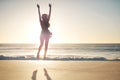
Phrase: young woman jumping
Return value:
(45, 33)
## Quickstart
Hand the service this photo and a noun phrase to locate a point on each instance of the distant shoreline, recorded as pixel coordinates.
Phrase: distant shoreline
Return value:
(54, 43)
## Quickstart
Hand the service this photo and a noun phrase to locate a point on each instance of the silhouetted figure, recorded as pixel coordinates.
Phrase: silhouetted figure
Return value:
(45, 33)
(34, 75)
(47, 75)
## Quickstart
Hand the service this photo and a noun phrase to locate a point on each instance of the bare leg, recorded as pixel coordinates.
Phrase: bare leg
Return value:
(40, 47)
(46, 47)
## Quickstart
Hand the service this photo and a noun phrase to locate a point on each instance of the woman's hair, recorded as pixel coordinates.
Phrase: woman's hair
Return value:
(45, 19)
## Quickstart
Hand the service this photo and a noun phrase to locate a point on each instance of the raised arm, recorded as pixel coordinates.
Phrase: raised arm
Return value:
(39, 12)
(49, 12)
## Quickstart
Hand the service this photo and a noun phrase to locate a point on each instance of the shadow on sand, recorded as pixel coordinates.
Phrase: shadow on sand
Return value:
(47, 75)
(34, 75)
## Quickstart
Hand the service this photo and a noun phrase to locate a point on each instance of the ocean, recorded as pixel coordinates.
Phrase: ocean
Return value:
(104, 52)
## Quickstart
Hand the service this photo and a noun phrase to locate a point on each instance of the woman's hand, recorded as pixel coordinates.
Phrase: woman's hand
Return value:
(50, 5)
(38, 6)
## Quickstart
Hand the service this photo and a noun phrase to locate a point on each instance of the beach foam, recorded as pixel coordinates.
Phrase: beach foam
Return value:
(52, 57)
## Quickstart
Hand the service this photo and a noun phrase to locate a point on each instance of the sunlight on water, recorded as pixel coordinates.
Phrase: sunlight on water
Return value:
(61, 51)
(42, 53)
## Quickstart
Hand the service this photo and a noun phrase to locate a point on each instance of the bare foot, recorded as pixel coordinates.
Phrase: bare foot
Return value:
(37, 56)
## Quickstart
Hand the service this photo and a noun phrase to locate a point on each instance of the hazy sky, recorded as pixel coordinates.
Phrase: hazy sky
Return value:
(72, 21)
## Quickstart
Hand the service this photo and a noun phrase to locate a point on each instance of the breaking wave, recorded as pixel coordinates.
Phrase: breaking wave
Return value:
(63, 58)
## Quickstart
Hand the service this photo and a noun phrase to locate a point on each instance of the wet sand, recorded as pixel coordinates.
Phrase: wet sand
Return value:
(59, 70)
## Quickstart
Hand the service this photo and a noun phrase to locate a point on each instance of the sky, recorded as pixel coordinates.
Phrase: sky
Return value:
(72, 21)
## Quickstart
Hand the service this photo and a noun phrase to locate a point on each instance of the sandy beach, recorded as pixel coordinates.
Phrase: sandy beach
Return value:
(59, 70)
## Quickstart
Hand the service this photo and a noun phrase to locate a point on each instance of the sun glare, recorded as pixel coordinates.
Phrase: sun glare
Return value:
(34, 33)
(42, 52)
